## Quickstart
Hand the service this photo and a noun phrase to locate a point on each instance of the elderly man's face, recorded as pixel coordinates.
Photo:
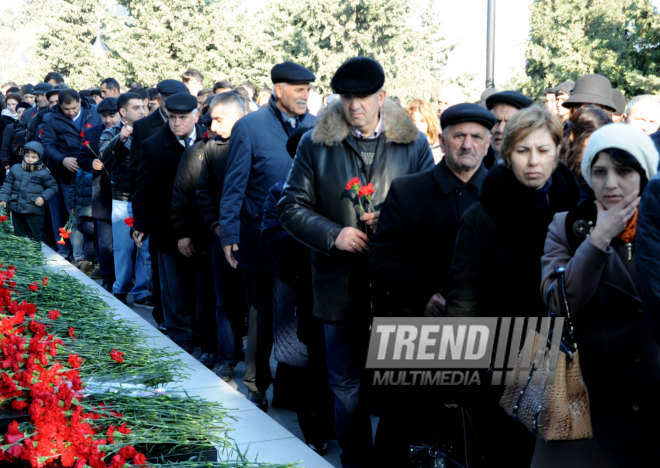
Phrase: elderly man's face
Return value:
(362, 112)
(465, 146)
(182, 124)
(645, 115)
(503, 112)
(292, 98)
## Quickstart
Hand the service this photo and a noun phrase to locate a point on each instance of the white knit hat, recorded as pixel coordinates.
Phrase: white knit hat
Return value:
(625, 137)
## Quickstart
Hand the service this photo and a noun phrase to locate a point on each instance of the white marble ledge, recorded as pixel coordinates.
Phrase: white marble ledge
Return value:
(255, 433)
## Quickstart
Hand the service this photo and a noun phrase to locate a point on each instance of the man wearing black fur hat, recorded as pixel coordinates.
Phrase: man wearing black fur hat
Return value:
(362, 141)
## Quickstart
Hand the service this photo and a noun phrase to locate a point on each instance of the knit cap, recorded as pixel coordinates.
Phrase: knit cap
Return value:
(625, 137)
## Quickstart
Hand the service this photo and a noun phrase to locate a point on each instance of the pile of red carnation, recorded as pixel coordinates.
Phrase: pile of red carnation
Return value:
(60, 432)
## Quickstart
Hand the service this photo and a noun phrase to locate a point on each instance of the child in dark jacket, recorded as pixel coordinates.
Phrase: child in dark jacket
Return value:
(27, 188)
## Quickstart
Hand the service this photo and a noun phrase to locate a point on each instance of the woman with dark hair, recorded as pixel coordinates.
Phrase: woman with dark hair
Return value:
(496, 267)
(583, 122)
(619, 360)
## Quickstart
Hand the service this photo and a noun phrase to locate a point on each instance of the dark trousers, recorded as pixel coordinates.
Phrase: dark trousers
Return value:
(230, 307)
(103, 231)
(346, 352)
(156, 296)
(259, 287)
(27, 225)
(176, 285)
(204, 292)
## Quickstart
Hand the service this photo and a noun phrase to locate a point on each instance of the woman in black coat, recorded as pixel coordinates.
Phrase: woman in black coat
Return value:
(496, 268)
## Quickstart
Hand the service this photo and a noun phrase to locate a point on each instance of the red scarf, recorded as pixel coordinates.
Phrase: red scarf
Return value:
(628, 234)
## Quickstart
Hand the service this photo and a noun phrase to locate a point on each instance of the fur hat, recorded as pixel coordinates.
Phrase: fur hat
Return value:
(625, 137)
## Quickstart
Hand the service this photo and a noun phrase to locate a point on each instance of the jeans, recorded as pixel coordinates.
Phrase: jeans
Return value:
(123, 248)
(82, 239)
(346, 351)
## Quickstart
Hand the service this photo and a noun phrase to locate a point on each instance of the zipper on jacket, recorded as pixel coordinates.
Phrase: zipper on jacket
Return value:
(629, 248)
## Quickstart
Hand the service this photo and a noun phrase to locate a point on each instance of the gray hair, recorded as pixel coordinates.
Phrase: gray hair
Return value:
(643, 98)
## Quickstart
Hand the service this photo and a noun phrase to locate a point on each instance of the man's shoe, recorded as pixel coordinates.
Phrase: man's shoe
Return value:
(120, 296)
(95, 272)
(225, 371)
(319, 447)
(207, 359)
(85, 266)
(144, 302)
(259, 400)
(162, 328)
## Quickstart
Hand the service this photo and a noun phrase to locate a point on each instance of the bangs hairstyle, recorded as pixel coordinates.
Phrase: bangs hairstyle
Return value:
(623, 158)
(525, 122)
(430, 117)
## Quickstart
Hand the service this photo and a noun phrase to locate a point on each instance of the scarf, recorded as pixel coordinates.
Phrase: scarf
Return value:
(628, 233)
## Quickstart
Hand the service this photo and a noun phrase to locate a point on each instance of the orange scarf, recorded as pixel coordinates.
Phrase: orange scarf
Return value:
(628, 234)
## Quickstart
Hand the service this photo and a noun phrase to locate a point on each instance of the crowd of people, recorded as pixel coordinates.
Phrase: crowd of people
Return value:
(293, 219)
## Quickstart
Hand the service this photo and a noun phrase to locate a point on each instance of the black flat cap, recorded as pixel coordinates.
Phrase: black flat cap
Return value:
(42, 88)
(289, 72)
(27, 89)
(170, 87)
(294, 139)
(23, 105)
(467, 112)
(181, 103)
(56, 89)
(512, 98)
(359, 76)
(108, 106)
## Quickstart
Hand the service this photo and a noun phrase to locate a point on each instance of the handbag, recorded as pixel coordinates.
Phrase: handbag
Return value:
(553, 407)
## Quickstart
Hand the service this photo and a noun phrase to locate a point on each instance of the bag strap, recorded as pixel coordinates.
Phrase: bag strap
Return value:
(568, 343)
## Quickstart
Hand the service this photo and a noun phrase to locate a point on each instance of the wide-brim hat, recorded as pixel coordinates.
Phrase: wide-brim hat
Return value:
(591, 89)
(359, 76)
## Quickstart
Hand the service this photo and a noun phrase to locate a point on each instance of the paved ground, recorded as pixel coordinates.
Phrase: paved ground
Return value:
(284, 417)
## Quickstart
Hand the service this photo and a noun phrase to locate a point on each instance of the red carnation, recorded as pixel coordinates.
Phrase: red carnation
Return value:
(53, 314)
(45, 280)
(354, 183)
(129, 221)
(366, 191)
(61, 242)
(72, 335)
(88, 125)
(3, 218)
(85, 143)
(117, 356)
(33, 286)
(75, 360)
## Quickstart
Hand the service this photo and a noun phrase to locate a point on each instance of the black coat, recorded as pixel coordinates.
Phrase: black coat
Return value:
(152, 199)
(316, 206)
(411, 252)
(211, 180)
(496, 269)
(62, 139)
(186, 214)
(142, 129)
(101, 189)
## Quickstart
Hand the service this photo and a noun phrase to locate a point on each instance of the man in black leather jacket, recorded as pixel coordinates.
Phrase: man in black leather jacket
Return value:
(365, 137)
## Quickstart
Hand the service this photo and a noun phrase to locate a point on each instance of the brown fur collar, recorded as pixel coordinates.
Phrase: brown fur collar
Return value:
(331, 127)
